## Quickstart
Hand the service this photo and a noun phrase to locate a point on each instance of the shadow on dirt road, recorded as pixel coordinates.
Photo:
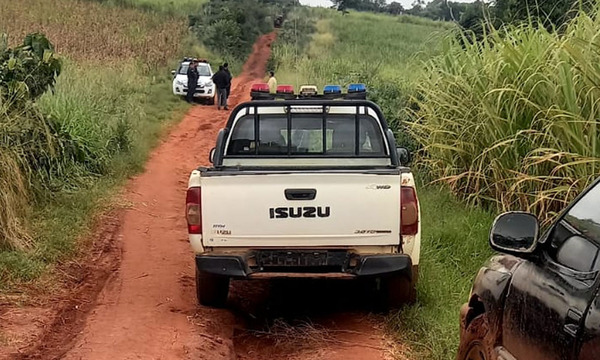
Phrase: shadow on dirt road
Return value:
(306, 319)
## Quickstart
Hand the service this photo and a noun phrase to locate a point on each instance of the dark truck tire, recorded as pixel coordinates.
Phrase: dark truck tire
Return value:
(398, 290)
(211, 290)
(475, 344)
(211, 101)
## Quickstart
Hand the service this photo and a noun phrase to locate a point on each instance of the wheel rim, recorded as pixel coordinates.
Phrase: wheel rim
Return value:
(476, 352)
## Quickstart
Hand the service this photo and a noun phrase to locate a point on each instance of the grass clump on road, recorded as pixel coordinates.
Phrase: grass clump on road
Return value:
(512, 121)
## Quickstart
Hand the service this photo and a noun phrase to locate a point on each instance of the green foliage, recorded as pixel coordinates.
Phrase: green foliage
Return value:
(360, 5)
(293, 38)
(31, 67)
(63, 152)
(512, 121)
(549, 13)
(482, 17)
(230, 27)
(441, 10)
(28, 144)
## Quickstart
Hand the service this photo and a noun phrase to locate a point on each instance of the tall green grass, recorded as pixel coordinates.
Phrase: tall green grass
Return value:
(512, 121)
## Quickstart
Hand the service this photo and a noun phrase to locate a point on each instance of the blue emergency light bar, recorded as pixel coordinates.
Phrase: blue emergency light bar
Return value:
(356, 88)
(332, 89)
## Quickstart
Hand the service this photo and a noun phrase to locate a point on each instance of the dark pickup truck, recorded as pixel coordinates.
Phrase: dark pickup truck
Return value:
(539, 300)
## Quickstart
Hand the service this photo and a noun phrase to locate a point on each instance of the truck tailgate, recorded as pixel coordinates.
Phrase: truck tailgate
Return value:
(301, 210)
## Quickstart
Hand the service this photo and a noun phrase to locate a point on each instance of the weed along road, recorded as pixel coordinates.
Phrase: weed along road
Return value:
(147, 308)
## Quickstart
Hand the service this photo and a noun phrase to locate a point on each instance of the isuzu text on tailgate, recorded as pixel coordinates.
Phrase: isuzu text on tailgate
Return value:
(306, 185)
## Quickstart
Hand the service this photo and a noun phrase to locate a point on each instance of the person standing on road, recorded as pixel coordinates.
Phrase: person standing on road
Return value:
(221, 80)
(272, 83)
(192, 76)
(226, 68)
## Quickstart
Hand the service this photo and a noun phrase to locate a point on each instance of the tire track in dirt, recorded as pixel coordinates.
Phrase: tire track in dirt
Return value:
(147, 309)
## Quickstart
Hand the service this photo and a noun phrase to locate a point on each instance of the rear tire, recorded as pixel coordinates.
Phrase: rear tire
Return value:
(211, 290)
(398, 290)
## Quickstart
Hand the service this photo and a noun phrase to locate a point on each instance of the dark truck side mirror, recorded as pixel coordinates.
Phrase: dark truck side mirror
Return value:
(515, 233)
(403, 156)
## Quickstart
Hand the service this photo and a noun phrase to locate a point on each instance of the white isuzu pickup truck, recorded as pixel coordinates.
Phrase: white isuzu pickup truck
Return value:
(308, 185)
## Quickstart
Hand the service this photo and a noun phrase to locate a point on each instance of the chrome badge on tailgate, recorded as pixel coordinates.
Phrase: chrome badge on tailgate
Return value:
(300, 212)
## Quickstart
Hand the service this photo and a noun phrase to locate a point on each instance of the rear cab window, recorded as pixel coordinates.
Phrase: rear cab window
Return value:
(295, 135)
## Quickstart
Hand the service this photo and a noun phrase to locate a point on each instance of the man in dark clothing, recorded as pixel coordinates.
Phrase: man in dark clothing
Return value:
(192, 75)
(226, 68)
(221, 80)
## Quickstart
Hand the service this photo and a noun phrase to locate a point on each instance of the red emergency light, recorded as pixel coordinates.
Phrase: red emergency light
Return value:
(285, 89)
(260, 87)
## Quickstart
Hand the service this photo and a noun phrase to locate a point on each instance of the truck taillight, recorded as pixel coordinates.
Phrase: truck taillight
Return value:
(409, 215)
(193, 210)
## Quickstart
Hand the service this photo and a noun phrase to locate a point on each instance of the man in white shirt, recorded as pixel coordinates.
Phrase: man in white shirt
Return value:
(272, 83)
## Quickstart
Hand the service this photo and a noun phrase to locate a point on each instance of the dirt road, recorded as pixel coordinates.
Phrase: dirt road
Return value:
(147, 308)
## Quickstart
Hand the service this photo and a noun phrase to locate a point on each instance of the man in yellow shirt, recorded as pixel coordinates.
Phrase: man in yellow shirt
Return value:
(272, 83)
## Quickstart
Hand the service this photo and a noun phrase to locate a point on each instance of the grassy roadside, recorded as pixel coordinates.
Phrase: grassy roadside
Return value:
(454, 246)
(59, 219)
(111, 104)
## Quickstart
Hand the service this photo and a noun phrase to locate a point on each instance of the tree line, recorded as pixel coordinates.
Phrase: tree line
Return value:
(230, 27)
(552, 14)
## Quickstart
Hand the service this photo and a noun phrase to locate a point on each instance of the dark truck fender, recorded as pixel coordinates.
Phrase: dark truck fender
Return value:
(489, 293)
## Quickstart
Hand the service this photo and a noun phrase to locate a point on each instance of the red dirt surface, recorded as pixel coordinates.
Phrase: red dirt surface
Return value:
(135, 297)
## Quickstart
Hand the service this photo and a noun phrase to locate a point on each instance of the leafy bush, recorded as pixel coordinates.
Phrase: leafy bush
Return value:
(27, 142)
(31, 67)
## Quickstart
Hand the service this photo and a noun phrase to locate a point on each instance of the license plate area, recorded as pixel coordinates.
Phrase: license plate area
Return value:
(304, 260)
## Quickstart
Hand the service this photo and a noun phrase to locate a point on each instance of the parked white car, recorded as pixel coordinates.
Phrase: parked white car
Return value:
(206, 88)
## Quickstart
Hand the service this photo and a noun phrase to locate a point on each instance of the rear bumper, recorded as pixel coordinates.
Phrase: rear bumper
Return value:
(237, 266)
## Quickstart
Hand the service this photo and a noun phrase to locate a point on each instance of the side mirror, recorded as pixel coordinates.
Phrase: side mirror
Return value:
(173, 72)
(211, 155)
(403, 156)
(515, 233)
